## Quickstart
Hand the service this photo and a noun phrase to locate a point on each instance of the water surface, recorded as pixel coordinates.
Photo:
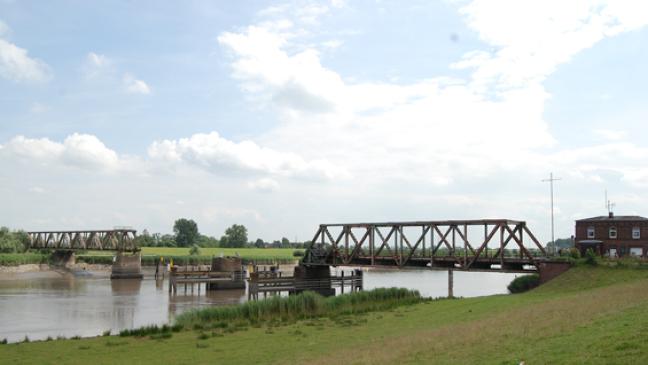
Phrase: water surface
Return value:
(54, 304)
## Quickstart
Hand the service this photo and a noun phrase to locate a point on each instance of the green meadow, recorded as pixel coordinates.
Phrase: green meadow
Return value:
(151, 255)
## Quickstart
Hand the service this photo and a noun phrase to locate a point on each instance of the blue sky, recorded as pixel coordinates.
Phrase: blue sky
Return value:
(282, 116)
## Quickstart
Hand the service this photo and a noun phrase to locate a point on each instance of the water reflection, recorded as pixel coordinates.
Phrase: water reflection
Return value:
(125, 293)
(58, 303)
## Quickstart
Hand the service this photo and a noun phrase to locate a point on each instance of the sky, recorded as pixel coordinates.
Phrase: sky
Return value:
(284, 115)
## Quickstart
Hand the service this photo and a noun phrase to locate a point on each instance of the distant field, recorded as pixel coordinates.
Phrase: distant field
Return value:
(181, 255)
(248, 253)
(150, 256)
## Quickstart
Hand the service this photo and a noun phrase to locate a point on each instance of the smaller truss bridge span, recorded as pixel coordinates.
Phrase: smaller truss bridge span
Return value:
(469, 245)
(104, 240)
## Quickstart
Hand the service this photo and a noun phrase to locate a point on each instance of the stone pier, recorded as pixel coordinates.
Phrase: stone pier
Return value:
(314, 278)
(229, 265)
(127, 266)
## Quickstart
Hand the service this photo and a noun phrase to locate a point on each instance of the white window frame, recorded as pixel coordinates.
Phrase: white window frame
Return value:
(636, 233)
(615, 235)
(591, 232)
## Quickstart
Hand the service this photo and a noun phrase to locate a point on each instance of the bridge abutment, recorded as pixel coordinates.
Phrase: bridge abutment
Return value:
(63, 258)
(127, 266)
(550, 270)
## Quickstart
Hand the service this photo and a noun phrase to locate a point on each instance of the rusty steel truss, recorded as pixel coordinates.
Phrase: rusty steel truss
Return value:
(487, 244)
(106, 240)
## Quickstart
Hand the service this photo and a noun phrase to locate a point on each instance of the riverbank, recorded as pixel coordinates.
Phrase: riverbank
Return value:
(587, 315)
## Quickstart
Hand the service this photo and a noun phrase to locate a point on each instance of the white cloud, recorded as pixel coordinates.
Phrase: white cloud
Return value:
(264, 185)
(135, 86)
(77, 150)
(98, 60)
(532, 38)
(611, 135)
(217, 154)
(16, 65)
(434, 130)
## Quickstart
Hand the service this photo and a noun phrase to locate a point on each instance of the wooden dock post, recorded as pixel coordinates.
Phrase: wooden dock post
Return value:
(450, 284)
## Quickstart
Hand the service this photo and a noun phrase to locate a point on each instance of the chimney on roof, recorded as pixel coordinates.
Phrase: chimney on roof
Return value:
(611, 214)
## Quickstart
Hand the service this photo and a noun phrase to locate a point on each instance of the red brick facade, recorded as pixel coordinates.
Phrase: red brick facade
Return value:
(605, 244)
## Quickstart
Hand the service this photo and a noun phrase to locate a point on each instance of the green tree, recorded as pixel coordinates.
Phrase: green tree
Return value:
(285, 243)
(166, 240)
(259, 243)
(186, 232)
(10, 242)
(145, 240)
(236, 236)
(206, 241)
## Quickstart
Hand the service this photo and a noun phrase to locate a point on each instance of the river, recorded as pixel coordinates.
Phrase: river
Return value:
(42, 304)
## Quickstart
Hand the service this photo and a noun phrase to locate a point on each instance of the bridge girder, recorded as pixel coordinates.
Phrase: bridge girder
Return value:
(104, 240)
(437, 244)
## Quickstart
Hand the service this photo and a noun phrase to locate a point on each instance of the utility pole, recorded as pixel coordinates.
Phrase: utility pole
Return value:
(551, 181)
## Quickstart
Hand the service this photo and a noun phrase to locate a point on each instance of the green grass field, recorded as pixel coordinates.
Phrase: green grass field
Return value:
(588, 315)
(150, 256)
(249, 253)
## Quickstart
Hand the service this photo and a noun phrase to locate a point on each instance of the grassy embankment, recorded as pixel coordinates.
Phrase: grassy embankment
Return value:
(150, 255)
(587, 315)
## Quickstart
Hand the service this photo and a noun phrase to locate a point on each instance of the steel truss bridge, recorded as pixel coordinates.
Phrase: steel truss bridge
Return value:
(470, 245)
(105, 240)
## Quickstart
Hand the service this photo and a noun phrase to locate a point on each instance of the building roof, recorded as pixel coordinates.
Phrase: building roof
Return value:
(592, 242)
(614, 218)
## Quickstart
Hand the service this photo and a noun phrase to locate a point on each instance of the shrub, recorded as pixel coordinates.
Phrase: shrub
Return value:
(15, 259)
(590, 257)
(194, 250)
(298, 253)
(524, 283)
(574, 253)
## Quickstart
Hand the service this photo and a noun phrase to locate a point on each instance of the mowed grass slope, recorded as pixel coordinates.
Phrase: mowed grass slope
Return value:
(588, 315)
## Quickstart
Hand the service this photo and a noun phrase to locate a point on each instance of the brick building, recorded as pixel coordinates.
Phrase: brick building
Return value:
(613, 236)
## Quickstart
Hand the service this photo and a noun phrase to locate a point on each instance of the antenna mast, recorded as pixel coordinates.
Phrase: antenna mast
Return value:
(551, 181)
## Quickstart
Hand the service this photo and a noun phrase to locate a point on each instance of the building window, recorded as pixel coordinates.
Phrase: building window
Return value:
(590, 232)
(636, 233)
(613, 232)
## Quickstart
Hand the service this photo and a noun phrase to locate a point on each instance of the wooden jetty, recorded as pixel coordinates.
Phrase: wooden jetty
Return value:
(223, 273)
(273, 282)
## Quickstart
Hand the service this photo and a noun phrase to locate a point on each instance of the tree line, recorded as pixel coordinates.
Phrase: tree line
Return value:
(186, 234)
(12, 242)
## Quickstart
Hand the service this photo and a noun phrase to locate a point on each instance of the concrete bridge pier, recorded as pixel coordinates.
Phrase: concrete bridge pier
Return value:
(314, 278)
(127, 266)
